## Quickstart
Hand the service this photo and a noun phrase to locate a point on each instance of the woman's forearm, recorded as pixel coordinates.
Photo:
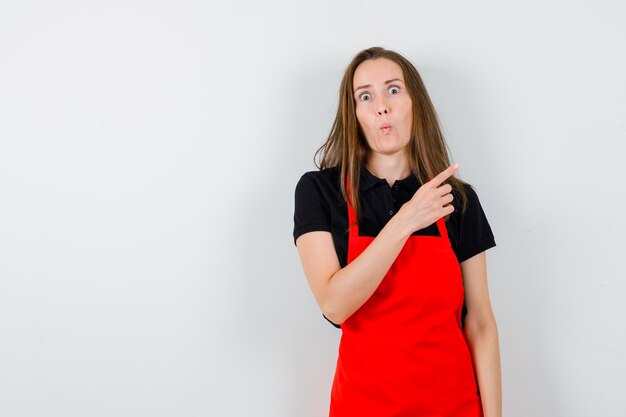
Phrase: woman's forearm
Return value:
(485, 348)
(350, 287)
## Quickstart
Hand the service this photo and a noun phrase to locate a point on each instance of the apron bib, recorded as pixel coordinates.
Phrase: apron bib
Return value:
(403, 353)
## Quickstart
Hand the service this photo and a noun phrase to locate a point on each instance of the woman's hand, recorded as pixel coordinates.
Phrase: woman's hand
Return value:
(428, 203)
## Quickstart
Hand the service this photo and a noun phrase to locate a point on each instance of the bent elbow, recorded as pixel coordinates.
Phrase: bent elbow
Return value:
(332, 316)
(337, 325)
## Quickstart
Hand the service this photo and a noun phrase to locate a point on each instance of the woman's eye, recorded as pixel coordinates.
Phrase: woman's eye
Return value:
(367, 94)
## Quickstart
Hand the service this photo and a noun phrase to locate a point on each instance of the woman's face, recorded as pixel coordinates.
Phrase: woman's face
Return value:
(382, 99)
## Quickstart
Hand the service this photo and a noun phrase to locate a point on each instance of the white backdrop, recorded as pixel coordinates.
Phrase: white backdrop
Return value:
(149, 152)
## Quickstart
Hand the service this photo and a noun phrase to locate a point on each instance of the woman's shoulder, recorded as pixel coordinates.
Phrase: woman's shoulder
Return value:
(472, 231)
(324, 173)
(316, 201)
(326, 180)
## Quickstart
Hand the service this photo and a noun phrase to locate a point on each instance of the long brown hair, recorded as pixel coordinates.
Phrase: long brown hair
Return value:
(347, 148)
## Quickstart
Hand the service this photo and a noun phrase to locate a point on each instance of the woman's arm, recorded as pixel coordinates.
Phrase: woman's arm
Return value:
(481, 333)
(341, 291)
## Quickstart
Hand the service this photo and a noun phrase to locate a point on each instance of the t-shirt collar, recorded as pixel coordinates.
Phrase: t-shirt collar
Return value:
(368, 180)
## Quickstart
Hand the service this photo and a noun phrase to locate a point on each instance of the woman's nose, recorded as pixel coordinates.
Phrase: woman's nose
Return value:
(383, 107)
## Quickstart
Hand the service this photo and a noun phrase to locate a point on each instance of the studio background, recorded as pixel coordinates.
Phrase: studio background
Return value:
(149, 152)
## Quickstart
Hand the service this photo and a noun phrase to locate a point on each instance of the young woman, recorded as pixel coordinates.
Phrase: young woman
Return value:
(393, 248)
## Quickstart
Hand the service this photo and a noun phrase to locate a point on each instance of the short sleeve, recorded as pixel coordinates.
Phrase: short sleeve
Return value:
(474, 234)
(311, 210)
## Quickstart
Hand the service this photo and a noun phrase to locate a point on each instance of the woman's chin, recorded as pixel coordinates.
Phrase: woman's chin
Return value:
(389, 150)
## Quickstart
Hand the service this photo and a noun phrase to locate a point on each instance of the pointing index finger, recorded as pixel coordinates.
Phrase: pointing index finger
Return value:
(441, 177)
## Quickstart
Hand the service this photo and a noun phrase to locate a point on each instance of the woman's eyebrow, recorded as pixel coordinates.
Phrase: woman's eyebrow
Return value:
(369, 85)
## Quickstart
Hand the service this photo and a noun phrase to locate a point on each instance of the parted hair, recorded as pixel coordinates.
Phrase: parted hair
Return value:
(347, 148)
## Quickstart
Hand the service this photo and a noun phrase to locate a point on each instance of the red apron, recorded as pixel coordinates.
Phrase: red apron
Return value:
(403, 353)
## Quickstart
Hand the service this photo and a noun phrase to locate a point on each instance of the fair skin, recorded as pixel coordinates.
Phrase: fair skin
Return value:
(341, 291)
(379, 88)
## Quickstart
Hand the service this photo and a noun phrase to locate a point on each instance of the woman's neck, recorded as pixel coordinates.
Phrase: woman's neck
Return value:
(390, 167)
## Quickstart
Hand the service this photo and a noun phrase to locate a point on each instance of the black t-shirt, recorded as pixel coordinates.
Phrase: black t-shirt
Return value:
(320, 206)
